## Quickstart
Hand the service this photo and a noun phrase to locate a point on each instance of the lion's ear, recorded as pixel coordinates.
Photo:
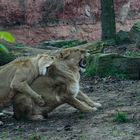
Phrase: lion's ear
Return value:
(65, 54)
(39, 56)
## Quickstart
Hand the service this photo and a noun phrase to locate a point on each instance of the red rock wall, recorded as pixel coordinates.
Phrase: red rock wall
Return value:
(38, 11)
(11, 12)
(65, 19)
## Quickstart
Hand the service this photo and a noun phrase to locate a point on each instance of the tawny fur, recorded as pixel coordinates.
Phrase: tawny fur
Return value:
(60, 86)
(17, 75)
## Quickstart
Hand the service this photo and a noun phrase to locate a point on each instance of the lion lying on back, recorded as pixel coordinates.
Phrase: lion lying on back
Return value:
(19, 74)
(60, 86)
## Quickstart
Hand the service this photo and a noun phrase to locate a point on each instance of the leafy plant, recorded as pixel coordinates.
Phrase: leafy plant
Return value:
(6, 36)
(81, 115)
(121, 117)
(3, 49)
(6, 58)
(36, 137)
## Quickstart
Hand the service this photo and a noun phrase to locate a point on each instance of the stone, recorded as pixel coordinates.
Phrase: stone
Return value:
(122, 37)
(68, 128)
(113, 64)
(134, 34)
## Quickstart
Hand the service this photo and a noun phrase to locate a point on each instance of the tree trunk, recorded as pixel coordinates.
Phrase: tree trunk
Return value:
(108, 19)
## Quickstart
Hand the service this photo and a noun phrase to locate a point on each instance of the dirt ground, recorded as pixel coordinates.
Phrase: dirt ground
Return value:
(66, 123)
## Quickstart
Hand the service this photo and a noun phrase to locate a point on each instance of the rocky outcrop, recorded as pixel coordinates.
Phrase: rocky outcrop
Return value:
(114, 65)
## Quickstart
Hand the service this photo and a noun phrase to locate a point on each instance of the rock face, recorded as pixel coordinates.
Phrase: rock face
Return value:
(61, 19)
(12, 12)
(114, 65)
(135, 34)
(31, 12)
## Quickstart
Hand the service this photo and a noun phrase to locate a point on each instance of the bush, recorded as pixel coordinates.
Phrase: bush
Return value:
(5, 36)
(6, 58)
(121, 117)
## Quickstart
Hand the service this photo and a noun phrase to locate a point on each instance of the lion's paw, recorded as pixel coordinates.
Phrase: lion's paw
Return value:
(36, 118)
(98, 105)
(94, 109)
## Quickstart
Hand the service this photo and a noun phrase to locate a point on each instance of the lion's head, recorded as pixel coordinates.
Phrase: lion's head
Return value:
(75, 56)
(44, 61)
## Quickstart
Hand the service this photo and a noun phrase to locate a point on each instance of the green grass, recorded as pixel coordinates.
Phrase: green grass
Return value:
(121, 117)
(81, 115)
(36, 137)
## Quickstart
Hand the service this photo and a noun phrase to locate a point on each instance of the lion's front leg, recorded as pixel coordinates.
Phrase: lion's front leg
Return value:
(20, 84)
(80, 105)
(83, 97)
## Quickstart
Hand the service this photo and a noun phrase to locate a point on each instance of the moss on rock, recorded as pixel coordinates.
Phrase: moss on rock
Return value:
(113, 65)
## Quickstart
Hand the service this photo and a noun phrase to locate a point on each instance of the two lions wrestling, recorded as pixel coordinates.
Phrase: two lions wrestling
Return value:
(17, 75)
(60, 86)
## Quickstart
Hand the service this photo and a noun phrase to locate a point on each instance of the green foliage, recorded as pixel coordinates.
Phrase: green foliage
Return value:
(3, 49)
(36, 137)
(64, 44)
(6, 37)
(81, 115)
(121, 117)
(6, 58)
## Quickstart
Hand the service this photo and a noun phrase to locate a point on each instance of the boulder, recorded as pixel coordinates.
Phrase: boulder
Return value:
(113, 65)
(135, 34)
(122, 37)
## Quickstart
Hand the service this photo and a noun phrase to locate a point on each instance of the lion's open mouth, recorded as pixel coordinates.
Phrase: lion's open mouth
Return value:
(83, 63)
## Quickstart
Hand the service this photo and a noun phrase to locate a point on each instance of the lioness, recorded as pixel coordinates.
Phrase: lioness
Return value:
(60, 86)
(19, 74)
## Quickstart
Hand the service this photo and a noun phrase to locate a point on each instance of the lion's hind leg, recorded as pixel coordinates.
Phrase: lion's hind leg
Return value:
(25, 109)
(83, 97)
(82, 106)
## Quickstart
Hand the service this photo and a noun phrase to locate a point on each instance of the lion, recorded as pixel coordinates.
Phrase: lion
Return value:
(17, 76)
(60, 86)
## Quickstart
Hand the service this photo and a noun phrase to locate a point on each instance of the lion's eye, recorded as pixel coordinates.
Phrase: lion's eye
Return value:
(88, 51)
